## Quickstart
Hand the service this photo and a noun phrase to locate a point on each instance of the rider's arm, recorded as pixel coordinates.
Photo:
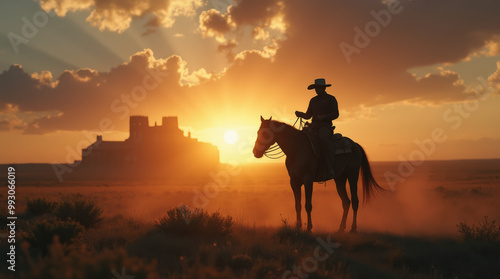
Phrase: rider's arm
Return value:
(308, 113)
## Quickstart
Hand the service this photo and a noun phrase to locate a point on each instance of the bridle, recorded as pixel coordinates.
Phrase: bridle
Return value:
(274, 151)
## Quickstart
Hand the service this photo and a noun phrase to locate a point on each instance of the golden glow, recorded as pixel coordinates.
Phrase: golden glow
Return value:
(230, 95)
(231, 136)
(238, 153)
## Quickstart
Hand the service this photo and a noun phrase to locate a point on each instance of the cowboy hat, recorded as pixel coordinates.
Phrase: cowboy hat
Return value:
(320, 82)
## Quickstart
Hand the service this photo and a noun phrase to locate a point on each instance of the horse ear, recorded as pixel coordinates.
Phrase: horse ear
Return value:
(270, 118)
(261, 119)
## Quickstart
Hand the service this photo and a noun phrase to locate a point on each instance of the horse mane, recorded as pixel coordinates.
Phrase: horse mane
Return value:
(286, 125)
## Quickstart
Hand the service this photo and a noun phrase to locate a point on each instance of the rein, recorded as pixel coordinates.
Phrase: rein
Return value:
(275, 152)
(301, 123)
(278, 153)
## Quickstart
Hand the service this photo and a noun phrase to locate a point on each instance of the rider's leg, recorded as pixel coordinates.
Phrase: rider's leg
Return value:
(325, 136)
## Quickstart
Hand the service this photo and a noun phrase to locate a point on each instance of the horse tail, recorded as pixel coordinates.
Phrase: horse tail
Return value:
(369, 184)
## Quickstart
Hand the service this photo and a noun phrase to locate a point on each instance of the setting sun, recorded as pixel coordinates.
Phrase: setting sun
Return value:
(231, 136)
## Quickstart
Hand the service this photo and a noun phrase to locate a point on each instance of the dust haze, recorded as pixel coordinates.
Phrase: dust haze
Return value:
(431, 201)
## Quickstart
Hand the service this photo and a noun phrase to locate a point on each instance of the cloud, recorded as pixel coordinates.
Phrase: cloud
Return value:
(493, 82)
(194, 78)
(300, 42)
(493, 46)
(303, 41)
(82, 99)
(490, 48)
(117, 15)
(258, 13)
(264, 17)
(495, 77)
(213, 24)
(8, 118)
(228, 48)
(446, 86)
(378, 74)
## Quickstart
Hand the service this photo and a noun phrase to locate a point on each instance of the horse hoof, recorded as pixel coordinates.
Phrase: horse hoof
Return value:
(353, 231)
(341, 231)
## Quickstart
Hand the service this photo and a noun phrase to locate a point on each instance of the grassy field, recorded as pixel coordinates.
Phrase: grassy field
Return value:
(138, 229)
(198, 244)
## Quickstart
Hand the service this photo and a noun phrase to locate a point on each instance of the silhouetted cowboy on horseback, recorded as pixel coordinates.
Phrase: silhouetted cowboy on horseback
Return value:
(302, 159)
(323, 109)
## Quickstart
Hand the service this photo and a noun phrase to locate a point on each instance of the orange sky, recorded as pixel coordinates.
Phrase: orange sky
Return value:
(219, 65)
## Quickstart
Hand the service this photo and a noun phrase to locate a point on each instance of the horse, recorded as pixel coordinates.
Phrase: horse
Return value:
(301, 164)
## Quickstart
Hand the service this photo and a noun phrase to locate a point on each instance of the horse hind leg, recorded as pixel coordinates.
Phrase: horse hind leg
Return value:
(341, 190)
(353, 184)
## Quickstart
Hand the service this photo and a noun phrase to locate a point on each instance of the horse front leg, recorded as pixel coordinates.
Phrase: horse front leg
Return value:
(308, 187)
(297, 194)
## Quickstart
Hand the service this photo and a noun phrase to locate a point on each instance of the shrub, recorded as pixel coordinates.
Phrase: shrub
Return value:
(87, 213)
(187, 222)
(40, 206)
(240, 264)
(87, 264)
(290, 235)
(43, 233)
(485, 231)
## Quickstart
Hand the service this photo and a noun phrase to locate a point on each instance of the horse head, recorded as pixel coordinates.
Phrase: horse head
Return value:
(265, 137)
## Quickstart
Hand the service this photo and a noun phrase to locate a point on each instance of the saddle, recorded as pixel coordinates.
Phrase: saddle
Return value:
(340, 144)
